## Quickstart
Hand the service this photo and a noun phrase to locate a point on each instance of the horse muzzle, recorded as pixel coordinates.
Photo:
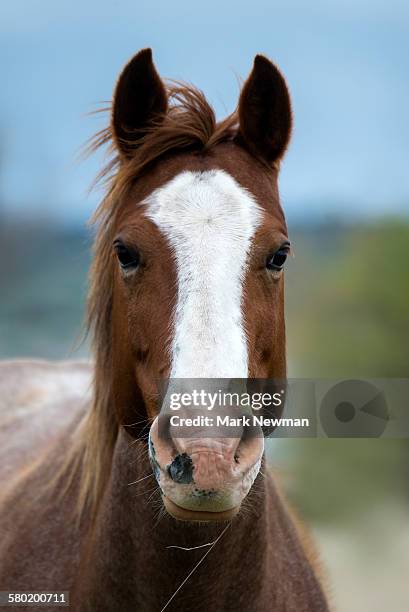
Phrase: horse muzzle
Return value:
(204, 478)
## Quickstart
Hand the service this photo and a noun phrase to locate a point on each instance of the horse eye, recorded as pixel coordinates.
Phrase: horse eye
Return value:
(277, 260)
(128, 258)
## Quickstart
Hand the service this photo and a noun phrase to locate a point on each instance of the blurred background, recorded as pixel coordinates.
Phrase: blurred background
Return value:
(344, 186)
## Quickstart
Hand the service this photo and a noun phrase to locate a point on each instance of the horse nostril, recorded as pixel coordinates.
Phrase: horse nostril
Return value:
(181, 469)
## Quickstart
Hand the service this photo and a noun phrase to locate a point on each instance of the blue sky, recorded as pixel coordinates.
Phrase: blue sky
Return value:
(346, 64)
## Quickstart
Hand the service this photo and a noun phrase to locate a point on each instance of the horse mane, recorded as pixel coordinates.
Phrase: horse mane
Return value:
(189, 125)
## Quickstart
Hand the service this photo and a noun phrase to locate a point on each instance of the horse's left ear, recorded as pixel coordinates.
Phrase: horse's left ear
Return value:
(139, 99)
(265, 111)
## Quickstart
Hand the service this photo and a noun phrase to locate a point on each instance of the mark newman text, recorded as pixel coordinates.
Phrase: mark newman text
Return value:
(242, 421)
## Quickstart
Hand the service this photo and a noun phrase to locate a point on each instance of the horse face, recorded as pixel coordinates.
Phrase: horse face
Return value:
(200, 249)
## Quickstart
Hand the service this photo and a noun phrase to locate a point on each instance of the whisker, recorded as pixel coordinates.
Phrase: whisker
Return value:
(161, 514)
(140, 479)
(145, 492)
(195, 567)
(153, 493)
(137, 423)
(190, 548)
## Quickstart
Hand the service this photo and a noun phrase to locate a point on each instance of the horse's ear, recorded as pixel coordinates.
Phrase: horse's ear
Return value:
(265, 111)
(139, 98)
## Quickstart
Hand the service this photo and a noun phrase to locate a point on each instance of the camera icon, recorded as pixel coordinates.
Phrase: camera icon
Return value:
(354, 409)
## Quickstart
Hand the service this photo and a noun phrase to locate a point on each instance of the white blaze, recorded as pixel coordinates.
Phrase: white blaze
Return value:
(209, 221)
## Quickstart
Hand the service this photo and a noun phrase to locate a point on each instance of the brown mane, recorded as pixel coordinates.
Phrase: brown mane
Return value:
(189, 125)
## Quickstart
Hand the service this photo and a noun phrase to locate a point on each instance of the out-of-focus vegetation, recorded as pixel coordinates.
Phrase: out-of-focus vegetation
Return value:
(43, 288)
(347, 301)
(348, 317)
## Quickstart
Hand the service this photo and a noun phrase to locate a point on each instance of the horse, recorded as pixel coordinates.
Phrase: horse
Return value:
(186, 282)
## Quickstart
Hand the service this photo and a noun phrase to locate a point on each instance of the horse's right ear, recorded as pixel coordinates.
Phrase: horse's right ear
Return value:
(139, 98)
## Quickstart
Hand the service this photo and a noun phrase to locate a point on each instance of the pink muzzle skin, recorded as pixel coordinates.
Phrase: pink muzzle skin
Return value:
(204, 475)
